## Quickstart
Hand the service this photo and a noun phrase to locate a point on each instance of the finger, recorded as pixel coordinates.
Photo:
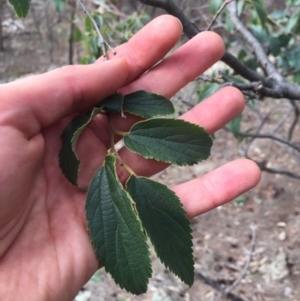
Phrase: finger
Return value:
(216, 111)
(41, 100)
(141, 52)
(149, 45)
(218, 187)
(212, 114)
(176, 71)
(169, 76)
(57, 94)
(183, 66)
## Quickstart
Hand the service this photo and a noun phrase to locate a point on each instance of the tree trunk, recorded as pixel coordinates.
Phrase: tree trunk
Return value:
(71, 37)
(1, 20)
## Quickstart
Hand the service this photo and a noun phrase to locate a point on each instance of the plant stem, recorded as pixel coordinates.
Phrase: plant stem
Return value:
(120, 132)
(217, 14)
(126, 167)
(113, 149)
(103, 43)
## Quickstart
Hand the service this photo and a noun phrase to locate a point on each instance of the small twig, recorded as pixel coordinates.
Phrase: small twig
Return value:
(263, 167)
(249, 94)
(269, 136)
(295, 122)
(217, 14)
(246, 267)
(207, 78)
(72, 33)
(262, 123)
(283, 119)
(254, 86)
(227, 293)
(214, 284)
(103, 43)
(112, 146)
(255, 111)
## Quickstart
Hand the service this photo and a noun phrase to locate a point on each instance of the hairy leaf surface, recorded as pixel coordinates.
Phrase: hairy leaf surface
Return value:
(21, 7)
(169, 140)
(147, 105)
(166, 224)
(115, 230)
(68, 160)
(112, 104)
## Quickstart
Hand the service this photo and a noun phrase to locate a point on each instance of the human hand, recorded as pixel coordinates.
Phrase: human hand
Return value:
(45, 252)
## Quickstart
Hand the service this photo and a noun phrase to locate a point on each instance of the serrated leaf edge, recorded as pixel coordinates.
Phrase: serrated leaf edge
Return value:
(94, 112)
(138, 219)
(170, 162)
(74, 139)
(189, 232)
(154, 116)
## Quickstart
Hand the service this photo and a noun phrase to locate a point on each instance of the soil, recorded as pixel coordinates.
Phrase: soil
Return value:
(222, 237)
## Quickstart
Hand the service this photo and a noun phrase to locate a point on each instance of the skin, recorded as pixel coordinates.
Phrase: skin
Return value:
(45, 252)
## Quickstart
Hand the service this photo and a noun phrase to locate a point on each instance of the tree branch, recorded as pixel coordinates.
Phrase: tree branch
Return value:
(218, 13)
(271, 87)
(263, 167)
(103, 43)
(253, 42)
(269, 136)
(169, 6)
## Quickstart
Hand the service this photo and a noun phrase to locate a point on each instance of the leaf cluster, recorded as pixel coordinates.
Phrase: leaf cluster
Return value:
(121, 218)
(276, 29)
(115, 29)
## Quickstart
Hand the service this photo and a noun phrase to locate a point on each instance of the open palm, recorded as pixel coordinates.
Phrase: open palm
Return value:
(45, 252)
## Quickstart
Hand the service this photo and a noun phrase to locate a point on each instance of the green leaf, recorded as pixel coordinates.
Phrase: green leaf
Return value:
(274, 46)
(166, 224)
(68, 160)
(240, 7)
(235, 125)
(260, 33)
(99, 20)
(77, 34)
(94, 45)
(59, 5)
(112, 103)
(261, 11)
(21, 7)
(293, 21)
(115, 230)
(228, 24)
(169, 140)
(207, 90)
(242, 55)
(291, 57)
(251, 63)
(296, 78)
(283, 40)
(147, 105)
(214, 5)
(293, 3)
(278, 14)
(88, 24)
